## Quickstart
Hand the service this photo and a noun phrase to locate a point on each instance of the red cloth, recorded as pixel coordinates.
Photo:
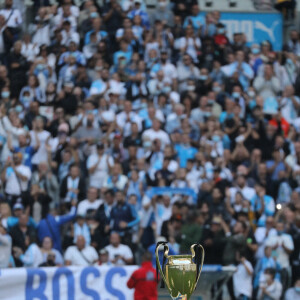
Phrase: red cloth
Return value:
(285, 126)
(221, 39)
(144, 282)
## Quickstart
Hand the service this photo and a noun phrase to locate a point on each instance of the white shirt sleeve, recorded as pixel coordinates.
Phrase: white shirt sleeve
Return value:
(260, 235)
(68, 254)
(288, 242)
(91, 161)
(25, 171)
(93, 253)
(127, 253)
(81, 209)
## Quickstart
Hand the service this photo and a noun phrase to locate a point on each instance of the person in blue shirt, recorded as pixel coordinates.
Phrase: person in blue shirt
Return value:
(101, 34)
(137, 10)
(50, 225)
(125, 52)
(123, 217)
(80, 58)
(196, 19)
(268, 261)
(244, 70)
(275, 165)
(24, 147)
(262, 204)
(185, 151)
(18, 210)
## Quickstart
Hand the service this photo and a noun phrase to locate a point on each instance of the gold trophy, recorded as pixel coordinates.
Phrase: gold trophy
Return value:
(181, 272)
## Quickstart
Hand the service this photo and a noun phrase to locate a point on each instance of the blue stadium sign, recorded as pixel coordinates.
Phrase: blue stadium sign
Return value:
(257, 27)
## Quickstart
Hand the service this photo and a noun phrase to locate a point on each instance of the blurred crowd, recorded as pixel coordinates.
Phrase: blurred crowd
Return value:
(103, 104)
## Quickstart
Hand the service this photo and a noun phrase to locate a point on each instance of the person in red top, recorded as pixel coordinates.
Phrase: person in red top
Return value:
(279, 120)
(143, 280)
(220, 38)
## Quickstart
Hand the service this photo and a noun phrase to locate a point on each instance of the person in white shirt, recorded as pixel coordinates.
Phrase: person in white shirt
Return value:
(189, 43)
(91, 203)
(262, 234)
(12, 15)
(168, 68)
(66, 15)
(241, 186)
(73, 8)
(289, 104)
(40, 29)
(293, 292)
(270, 288)
(283, 244)
(98, 165)
(16, 177)
(80, 255)
(68, 35)
(163, 212)
(126, 117)
(33, 255)
(117, 180)
(5, 247)
(156, 133)
(43, 135)
(242, 278)
(29, 49)
(118, 253)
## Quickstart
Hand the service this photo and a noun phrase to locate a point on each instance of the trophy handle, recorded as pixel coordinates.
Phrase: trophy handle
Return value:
(166, 252)
(195, 254)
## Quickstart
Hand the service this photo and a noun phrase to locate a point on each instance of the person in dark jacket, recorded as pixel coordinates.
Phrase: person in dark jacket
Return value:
(123, 217)
(50, 225)
(144, 280)
(18, 67)
(21, 231)
(73, 185)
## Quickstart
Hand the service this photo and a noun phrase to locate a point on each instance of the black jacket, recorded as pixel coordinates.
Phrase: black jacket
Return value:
(81, 186)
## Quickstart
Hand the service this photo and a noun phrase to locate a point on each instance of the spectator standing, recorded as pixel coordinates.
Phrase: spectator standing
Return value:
(123, 217)
(50, 225)
(242, 278)
(72, 186)
(268, 85)
(283, 244)
(16, 176)
(98, 166)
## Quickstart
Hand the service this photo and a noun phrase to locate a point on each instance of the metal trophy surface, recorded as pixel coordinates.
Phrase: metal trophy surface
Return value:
(180, 273)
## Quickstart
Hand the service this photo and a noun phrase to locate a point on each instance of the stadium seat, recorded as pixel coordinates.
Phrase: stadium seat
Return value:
(227, 5)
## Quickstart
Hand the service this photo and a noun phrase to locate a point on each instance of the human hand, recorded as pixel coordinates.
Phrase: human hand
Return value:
(123, 225)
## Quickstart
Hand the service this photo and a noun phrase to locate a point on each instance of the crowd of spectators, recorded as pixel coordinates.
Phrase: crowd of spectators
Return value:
(101, 104)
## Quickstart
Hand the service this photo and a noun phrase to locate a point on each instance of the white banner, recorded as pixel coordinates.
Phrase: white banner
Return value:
(66, 283)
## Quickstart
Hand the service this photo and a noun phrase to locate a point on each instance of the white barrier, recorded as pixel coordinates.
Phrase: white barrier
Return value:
(67, 283)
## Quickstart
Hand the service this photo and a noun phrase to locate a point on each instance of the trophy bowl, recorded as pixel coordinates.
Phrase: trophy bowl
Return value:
(180, 273)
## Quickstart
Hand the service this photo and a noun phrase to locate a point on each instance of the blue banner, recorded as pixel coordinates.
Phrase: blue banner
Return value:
(256, 26)
(170, 190)
(72, 283)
